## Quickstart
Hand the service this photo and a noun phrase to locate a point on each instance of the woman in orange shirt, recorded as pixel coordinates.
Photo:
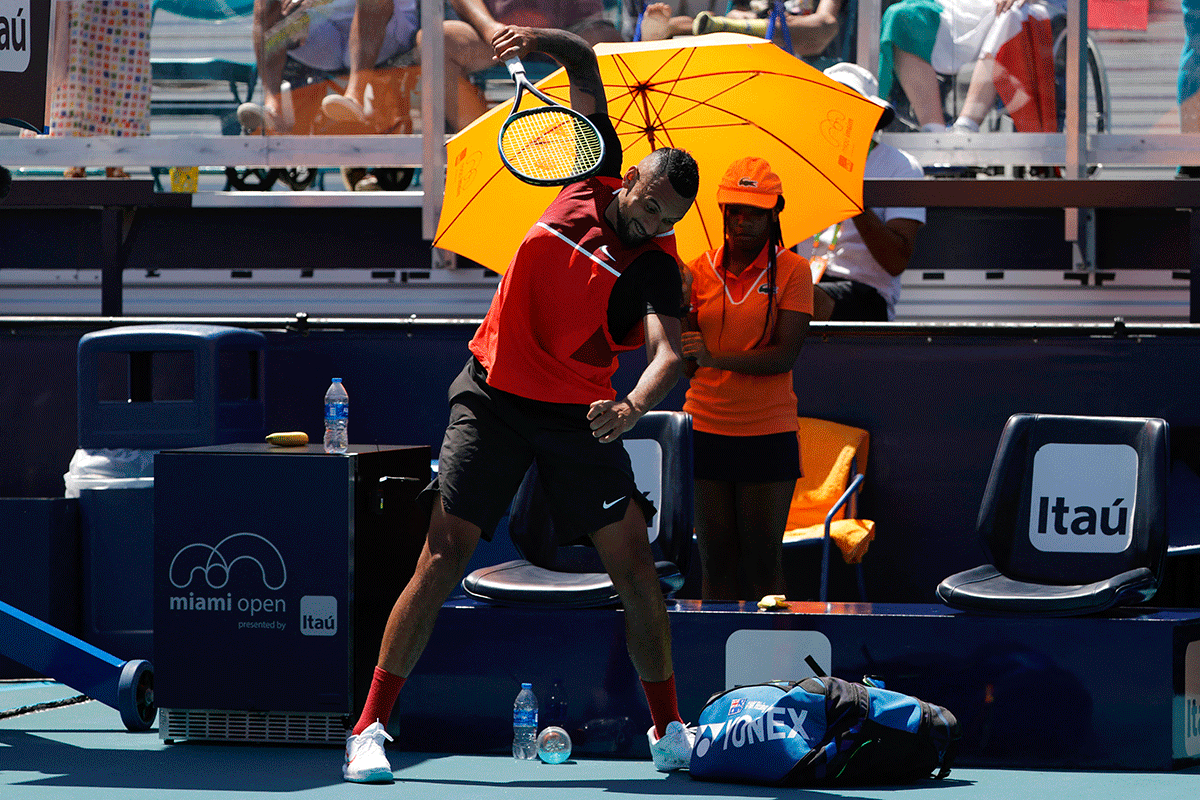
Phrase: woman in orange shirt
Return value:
(751, 302)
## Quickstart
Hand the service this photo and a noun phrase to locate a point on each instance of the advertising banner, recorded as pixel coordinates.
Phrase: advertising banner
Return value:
(24, 54)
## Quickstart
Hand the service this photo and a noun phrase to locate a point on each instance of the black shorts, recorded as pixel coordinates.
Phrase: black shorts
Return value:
(746, 459)
(855, 302)
(494, 436)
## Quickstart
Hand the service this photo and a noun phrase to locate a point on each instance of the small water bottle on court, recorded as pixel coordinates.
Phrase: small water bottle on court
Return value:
(525, 722)
(337, 415)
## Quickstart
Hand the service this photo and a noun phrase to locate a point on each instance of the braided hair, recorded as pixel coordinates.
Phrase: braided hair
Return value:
(774, 242)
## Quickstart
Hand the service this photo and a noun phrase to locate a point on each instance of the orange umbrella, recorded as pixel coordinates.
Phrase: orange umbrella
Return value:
(721, 97)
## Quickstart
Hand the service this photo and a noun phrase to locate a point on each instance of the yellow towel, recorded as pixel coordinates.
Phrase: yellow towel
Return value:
(826, 452)
(852, 536)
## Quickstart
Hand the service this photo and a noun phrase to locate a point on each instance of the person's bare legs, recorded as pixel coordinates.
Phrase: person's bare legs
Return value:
(268, 13)
(624, 548)
(762, 511)
(367, 31)
(981, 93)
(717, 539)
(448, 547)
(597, 30)
(1189, 114)
(812, 33)
(466, 52)
(60, 54)
(920, 83)
(1189, 122)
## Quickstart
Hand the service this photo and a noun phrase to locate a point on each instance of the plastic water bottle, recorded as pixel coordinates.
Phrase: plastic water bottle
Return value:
(525, 722)
(554, 745)
(337, 414)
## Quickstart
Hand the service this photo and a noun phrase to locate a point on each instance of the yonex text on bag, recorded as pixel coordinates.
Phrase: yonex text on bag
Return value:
(822, 731)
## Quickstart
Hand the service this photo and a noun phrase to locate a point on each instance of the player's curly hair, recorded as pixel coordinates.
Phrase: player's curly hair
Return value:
(679, 167)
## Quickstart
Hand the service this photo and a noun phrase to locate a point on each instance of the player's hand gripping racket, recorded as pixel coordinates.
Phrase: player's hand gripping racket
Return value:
(549, 145)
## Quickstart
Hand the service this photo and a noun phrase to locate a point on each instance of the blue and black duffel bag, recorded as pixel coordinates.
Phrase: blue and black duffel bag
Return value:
(822, 731)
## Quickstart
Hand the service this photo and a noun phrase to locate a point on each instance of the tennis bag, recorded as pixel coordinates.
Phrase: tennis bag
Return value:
(822, 731)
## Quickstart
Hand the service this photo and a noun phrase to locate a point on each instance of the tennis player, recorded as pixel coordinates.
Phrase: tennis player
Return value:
(597, 275)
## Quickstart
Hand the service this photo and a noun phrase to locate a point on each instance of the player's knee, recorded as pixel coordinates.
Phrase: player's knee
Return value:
(449, 544)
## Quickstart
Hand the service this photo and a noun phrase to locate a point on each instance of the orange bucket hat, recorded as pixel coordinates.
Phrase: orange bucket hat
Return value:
(750, 182)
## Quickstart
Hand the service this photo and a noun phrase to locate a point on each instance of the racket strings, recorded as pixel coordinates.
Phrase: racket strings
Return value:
(550, 145)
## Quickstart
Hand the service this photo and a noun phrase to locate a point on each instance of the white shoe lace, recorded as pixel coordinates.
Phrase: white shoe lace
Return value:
(372, 736)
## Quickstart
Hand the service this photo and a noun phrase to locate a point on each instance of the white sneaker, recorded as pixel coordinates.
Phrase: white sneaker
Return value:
(674, 749)
(366, 761)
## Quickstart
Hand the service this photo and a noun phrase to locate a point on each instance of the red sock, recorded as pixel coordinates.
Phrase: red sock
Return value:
(664, 706)
(385, 687)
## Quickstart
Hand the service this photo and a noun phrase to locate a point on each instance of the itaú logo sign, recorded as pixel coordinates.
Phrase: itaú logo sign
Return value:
(1082, 497)
(15, 35)
(1191, 699)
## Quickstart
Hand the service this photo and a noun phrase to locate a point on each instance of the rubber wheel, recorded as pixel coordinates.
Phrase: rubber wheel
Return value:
(135, 695)
(298, 178)
(393, 179)
(251, 180)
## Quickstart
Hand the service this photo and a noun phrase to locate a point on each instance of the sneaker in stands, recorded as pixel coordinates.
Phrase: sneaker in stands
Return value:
(366, 761)
(346, 109)
(258, 119)
(673, 750)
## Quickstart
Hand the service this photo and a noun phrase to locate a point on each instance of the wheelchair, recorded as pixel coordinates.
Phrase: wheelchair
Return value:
(1097, 116)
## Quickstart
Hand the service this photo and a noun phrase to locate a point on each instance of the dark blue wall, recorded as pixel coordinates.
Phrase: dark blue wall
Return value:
(934, 400)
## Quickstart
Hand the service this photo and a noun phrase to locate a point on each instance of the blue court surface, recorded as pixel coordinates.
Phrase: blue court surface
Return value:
(82, 751)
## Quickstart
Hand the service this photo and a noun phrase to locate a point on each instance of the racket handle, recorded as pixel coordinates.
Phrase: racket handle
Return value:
(515, 67)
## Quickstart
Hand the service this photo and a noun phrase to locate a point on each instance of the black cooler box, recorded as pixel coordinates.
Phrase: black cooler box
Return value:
(274, 572)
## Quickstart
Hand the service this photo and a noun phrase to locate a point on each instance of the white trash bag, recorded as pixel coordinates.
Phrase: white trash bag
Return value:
(109, 469)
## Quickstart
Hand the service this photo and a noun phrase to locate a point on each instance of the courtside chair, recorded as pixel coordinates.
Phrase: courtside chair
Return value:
(1073, 518)
(824, 505)
(660, 447)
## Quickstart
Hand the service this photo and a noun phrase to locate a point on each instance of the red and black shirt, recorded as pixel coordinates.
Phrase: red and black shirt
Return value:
(574, 296)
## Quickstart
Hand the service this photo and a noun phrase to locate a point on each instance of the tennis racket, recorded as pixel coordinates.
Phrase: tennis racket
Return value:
(549, 145)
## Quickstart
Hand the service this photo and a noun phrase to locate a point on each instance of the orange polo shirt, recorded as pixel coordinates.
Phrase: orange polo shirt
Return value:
(731, 310)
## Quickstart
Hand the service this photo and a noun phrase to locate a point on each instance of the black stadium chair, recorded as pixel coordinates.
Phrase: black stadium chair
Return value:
(1073, 518)
(660, 447)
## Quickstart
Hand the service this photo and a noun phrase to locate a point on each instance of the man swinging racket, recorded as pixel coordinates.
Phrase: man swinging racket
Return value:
(595, 276)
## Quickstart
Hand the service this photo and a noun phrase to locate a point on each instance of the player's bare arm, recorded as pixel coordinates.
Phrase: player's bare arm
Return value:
(575, 55)
(612, 418)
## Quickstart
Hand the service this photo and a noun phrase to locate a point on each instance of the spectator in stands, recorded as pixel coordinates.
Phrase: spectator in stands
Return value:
(343, 35)
(648, 22)
(1188, 87)
(859, 261)
(751, 302)
(921, 39)
(99, 77)
(812, 24)
(468, 46)
(361, 36)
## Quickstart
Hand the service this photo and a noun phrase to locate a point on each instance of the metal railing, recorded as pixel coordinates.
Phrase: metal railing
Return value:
(1075, 147)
